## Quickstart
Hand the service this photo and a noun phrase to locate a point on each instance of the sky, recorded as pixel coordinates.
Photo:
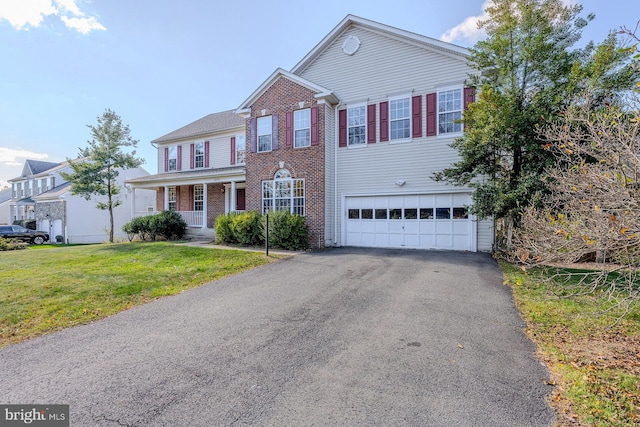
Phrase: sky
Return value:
(162, 64)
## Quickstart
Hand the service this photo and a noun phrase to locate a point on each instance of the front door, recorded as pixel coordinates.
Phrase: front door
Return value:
(240, 202)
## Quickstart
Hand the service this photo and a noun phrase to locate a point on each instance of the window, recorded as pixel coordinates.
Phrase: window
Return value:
(172, 197)
(302, 128)
(240, 149)
(356, 125)
(449, 111)
(443, 213)
(198, 197)
(173, 158)
(198, 155)
(283, 193)
(400, 118)
(264, 134)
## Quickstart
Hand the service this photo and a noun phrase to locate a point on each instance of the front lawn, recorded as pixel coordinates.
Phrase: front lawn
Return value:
(594, 357)
(48, 288)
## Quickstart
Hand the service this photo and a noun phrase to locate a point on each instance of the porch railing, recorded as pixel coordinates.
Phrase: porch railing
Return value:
(192, 218)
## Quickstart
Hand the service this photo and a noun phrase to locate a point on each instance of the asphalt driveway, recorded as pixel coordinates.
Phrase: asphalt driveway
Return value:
(340, 337)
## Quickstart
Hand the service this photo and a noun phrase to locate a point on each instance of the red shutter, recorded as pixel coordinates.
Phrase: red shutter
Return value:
(431, 114)
(206, 154)
(233, 150)
(274, 132)
(342, 128)
(384, 121)
(371, 124)
(179, 157)
(191, 156)
(469, 96)
(315, 137)
(416, 113)
(166, 159)
(288, 143)
(253, 144)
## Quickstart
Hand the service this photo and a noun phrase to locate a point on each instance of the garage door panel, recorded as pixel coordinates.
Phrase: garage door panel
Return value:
(434, 221)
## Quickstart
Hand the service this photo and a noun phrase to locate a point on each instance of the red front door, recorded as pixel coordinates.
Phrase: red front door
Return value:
(240, 205)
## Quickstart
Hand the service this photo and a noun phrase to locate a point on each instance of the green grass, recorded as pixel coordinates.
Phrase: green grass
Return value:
(591, 353)
(48, 288)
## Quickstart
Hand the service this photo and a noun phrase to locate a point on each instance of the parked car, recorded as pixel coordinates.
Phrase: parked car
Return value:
(18, 232)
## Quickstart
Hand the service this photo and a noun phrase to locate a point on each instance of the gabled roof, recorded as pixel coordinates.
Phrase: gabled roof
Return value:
(321, 92)
(5, 195)
(212, 123)
(34, 167)
(351, 20)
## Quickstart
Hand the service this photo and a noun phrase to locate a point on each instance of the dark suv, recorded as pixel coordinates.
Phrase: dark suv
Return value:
(20, 233)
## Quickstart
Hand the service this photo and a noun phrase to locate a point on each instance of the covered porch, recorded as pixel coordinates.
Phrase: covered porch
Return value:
(199, 197)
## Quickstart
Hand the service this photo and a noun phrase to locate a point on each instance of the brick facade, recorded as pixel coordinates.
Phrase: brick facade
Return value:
(307, 163)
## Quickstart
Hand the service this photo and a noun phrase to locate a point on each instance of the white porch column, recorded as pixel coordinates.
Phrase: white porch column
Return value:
(233, 196)
(166, 198)
(204, 205)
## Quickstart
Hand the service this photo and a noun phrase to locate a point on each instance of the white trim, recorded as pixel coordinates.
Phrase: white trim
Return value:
(353, 106)
(445, 89)
(396, 98)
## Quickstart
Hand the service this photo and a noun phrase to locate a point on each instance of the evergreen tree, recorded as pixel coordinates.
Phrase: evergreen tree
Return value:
(96, 169)
(526, 73)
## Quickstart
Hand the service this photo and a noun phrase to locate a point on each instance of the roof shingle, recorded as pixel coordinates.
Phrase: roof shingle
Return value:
(208, 124)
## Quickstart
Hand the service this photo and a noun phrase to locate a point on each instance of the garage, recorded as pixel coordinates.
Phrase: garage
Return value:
(428, 221)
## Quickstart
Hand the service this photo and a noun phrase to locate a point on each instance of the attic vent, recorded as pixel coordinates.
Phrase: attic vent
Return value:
(351, 45)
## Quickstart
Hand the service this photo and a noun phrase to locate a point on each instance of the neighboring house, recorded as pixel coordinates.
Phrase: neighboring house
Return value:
(5, 198)
(41, 193)
(350, 138)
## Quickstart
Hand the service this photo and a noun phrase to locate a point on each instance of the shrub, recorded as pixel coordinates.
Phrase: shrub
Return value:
(224, 230)
(288, 231)
(247, 228)
(168, 224)
(12, 245)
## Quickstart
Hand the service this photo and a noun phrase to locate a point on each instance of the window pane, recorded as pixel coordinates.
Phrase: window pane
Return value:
(381, 214)
(302, 138)
(400, 118)
(395, 213)
(410, 213)
(354, 213)
(426, 213)
(460, 213)
(443, 213)
(264, 133)
(449, 111)
(367, 213)
(356, 119)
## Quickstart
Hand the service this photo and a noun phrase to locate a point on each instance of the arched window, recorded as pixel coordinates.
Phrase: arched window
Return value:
(283, 193)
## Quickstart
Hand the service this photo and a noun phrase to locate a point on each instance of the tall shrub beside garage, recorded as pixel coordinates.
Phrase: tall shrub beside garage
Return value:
(288, 231)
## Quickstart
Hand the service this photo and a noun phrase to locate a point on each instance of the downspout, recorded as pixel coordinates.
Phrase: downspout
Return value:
(336, 127)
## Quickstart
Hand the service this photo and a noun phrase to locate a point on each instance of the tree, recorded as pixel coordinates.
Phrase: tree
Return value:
(526, 74)
(97, 167)
(592, 212)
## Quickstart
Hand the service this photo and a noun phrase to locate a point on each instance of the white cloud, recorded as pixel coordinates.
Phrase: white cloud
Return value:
(468, 31)
(23, 14)
(10, 156)
(83, 25)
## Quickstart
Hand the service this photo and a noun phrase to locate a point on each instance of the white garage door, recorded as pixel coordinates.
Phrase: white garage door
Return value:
(430, 221)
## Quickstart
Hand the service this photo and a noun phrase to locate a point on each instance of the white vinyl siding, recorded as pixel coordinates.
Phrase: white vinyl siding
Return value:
(405, 66)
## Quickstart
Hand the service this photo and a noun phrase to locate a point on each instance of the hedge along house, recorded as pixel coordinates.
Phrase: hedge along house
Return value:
(351, 137)
(201, 171)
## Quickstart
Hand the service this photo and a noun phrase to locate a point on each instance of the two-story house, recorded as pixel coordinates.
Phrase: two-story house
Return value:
(40, 193)
(350, 138)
